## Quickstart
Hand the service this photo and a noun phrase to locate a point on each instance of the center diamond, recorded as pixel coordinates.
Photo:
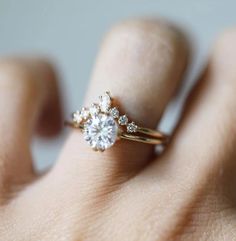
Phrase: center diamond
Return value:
(100, 131)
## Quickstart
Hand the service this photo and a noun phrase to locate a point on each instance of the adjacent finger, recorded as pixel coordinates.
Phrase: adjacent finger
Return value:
(27, 92)
(202, 153)
(208, 125)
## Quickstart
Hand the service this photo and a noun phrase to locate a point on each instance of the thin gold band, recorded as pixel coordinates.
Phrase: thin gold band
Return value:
(144, 135)
(147, 136)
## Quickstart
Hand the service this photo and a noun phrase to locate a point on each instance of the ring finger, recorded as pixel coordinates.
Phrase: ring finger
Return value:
(141, 62)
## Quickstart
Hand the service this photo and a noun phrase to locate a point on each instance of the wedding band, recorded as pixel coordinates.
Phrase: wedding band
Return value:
(102, 125)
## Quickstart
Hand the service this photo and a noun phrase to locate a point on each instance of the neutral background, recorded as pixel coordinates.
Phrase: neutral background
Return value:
(69, 32)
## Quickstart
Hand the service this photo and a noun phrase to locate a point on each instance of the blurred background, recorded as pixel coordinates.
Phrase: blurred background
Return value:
(69, 33)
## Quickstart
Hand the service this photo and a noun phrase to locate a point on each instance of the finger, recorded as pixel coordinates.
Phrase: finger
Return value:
(197, 173)
(27, 91)
(210, 116)
(203, 150)
(141, 62)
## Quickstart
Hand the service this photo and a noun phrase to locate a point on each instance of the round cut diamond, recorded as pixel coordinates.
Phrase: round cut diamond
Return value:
(132, 127)
(84, 113)
(77, 118)
(94, 109)
(114, 112)
(100, 131)
(123, 120)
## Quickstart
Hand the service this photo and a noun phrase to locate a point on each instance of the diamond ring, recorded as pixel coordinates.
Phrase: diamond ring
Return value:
(102, 125)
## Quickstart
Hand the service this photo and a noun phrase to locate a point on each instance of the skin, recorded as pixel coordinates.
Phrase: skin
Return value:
(126, 193)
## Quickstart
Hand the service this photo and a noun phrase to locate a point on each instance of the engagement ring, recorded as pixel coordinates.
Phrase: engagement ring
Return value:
(102, 125)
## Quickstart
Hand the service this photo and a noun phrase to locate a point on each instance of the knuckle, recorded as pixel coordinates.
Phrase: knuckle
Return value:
(146, 36)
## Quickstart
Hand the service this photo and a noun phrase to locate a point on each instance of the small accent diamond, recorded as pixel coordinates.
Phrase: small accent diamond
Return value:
(76, 116)
(114, 112)
(94, 109)
(105, 102)
(123, 120)
(132, 127)
(84, 113)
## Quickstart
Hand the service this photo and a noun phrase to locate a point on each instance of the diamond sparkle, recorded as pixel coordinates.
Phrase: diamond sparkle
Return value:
(132, 127)
(94, 109)
(101, 131)
(114, 112)
(84, 113)
(123, 120)
(105, 102)
(77, 118)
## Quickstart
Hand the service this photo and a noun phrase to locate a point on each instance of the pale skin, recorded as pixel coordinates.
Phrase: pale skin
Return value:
(125, 193)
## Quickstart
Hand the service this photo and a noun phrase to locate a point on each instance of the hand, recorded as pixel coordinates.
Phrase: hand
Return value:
(126, 192)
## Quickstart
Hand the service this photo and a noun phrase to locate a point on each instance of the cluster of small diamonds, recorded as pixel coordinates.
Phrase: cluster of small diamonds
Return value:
(104, 106)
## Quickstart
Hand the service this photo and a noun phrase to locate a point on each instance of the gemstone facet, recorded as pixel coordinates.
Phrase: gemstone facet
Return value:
(100, 131)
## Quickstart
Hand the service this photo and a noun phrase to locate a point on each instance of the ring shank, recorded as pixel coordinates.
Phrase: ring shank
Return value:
(144, 135)
(151, 132)
(144, 139)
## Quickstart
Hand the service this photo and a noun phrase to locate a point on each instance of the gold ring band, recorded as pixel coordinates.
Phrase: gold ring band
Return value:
(149, 136)
(102, 125)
